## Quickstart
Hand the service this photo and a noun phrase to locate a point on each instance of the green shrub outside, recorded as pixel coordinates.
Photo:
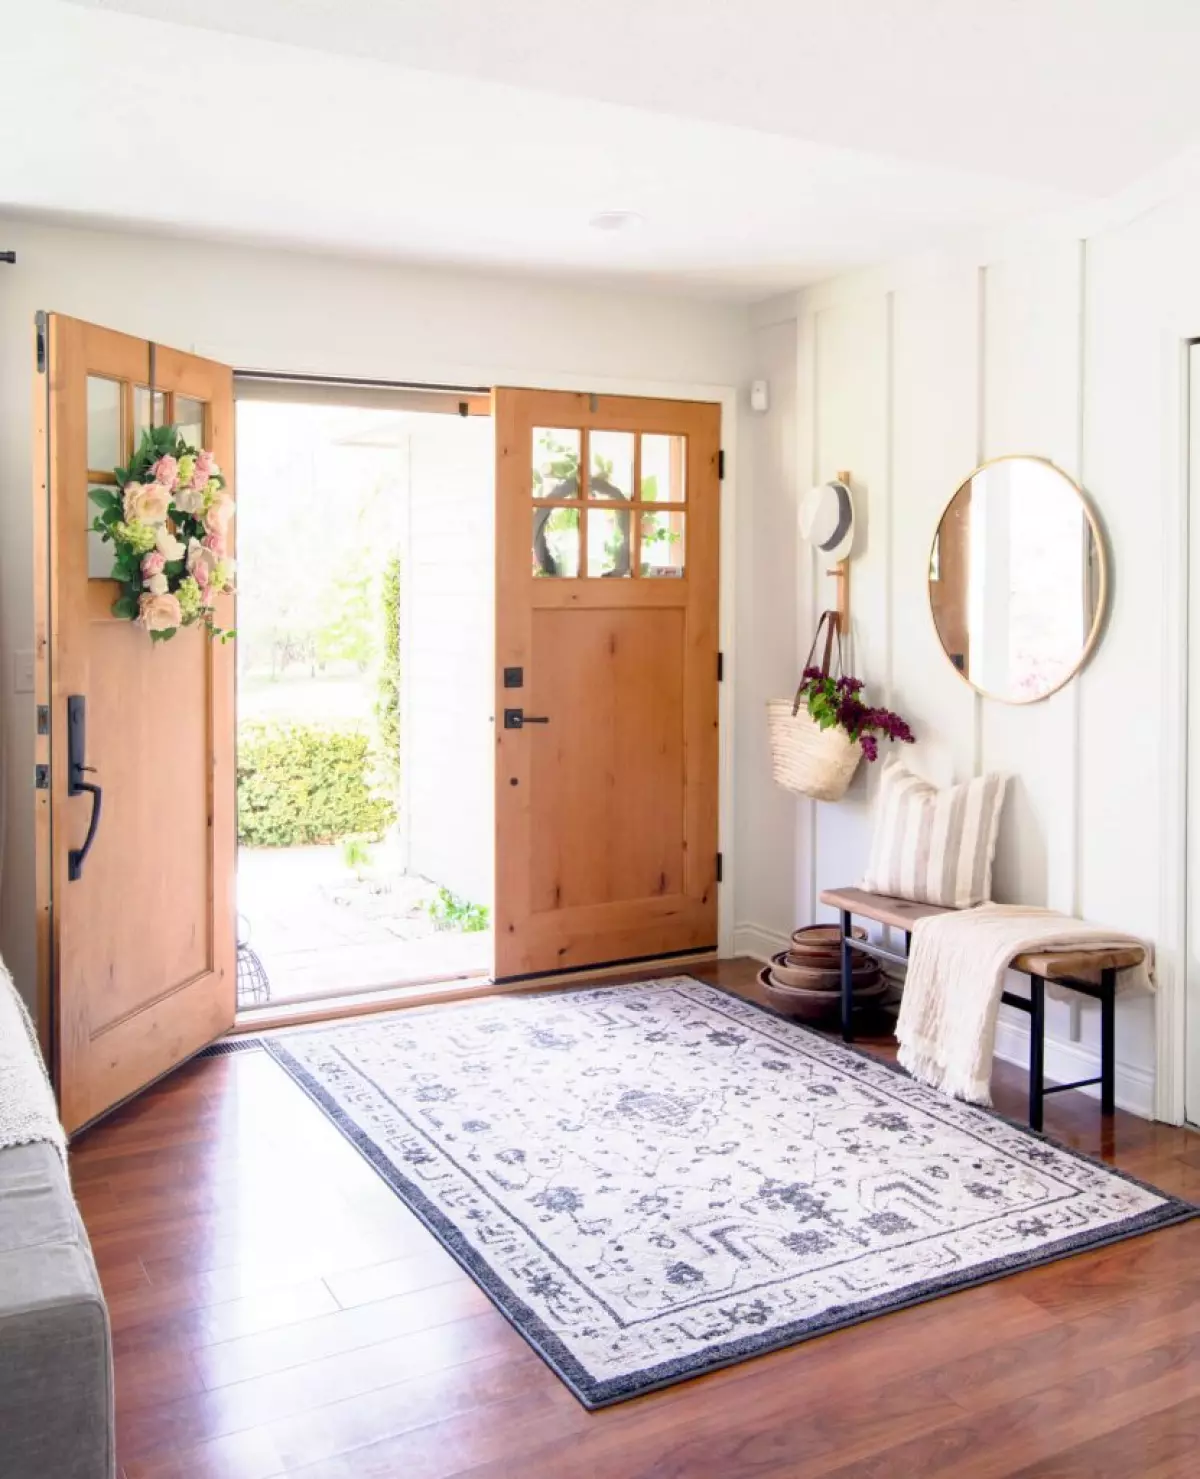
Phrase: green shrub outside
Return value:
(304, 783)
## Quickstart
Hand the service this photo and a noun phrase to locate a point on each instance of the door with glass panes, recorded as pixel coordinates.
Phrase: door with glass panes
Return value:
(135, 748)
(607, 536)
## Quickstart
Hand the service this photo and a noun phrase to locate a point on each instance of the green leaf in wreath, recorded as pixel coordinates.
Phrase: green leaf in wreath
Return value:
(126, 607)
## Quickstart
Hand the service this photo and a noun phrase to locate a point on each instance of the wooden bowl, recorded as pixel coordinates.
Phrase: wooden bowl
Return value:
(822, 937)
(815, 1006)
(811, 977)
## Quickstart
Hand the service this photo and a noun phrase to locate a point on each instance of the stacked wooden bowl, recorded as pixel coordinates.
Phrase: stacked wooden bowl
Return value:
(806, 979)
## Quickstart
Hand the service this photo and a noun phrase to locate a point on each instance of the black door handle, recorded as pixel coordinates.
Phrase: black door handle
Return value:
(518, 719)
(76, 785)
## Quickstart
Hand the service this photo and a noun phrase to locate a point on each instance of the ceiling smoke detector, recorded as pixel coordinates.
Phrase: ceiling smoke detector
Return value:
(615, 221)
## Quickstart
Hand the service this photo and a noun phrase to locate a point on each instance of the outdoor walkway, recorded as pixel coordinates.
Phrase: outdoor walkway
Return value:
(320, 931)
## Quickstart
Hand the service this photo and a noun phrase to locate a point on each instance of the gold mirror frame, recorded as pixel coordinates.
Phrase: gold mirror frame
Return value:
(1098, 544)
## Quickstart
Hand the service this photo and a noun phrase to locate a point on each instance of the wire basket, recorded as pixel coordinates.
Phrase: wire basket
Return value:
(253, 983)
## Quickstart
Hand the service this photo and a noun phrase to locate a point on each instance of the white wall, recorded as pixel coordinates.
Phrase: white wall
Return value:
(766, 626)
(292, 312)
(1071, 348)
(447, 741)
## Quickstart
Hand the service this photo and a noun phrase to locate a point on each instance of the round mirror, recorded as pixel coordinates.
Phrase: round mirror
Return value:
(1017, 579)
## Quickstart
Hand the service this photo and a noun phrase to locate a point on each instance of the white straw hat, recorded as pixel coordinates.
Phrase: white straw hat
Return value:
(827, 519)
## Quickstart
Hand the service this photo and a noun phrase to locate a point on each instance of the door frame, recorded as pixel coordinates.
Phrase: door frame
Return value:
(727, 397)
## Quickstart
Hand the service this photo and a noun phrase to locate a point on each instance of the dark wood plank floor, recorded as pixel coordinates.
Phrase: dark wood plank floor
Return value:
(276, 1310)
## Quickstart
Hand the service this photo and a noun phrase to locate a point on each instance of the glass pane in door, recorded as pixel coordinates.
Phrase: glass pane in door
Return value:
(189, 418)
(556, 542)
(104, 451)
(609, 550)
(100, 555)
(662, 544)
(664, 469)
(141, 411)
(556, 453)
(610, 471)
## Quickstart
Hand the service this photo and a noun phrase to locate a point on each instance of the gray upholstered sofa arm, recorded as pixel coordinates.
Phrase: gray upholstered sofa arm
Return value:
(56, 1389)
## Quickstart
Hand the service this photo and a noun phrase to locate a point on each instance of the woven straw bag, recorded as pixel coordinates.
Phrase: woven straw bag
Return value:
(806, 759)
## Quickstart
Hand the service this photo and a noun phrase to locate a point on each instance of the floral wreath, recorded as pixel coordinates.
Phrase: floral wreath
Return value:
(168, 522)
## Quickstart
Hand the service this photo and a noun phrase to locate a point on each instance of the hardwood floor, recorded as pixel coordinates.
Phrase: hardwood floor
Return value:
(277, 1310)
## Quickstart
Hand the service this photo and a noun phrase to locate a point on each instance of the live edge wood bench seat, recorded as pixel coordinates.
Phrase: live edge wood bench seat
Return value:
(1091, 972)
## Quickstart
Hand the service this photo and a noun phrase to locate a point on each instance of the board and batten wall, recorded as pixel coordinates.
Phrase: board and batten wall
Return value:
(272, 309)
(1073, 348)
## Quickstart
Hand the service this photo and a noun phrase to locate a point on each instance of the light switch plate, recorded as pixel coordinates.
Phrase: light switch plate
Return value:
(22, 678)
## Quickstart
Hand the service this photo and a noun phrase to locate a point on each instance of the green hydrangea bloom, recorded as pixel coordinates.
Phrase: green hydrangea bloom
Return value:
(138, 536)
(188, 596)
(187, 466)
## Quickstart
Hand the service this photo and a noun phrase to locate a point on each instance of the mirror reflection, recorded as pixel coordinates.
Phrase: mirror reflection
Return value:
(1017, 579)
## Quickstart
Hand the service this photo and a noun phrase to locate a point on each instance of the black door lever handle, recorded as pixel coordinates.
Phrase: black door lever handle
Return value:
(518, 719)
(76, 785)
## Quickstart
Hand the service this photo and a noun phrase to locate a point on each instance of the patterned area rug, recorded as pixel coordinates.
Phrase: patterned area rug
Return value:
(653, 1181)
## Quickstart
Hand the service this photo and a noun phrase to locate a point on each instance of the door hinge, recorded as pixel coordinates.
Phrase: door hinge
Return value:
(41, 777)
(720, 868)
(720, 667)
(41, 326)
(721, 465)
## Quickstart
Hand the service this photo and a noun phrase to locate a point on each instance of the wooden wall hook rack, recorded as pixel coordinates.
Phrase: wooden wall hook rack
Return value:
(841, 574)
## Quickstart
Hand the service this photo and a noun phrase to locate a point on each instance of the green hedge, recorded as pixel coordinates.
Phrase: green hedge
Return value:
(300, 783)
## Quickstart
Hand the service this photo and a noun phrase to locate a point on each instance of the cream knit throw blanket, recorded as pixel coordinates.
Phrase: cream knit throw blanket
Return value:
(947, 1025)
(27, 1109)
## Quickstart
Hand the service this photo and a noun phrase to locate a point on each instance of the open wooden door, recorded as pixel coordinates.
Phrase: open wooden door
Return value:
(137, 941)
(607, 538)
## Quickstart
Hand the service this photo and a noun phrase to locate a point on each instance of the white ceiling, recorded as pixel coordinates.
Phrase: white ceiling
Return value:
(767, 144)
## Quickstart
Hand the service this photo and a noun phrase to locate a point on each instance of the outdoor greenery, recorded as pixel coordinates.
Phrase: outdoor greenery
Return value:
(304, 783)
(387, 682)
(356, 855)
(449, 912)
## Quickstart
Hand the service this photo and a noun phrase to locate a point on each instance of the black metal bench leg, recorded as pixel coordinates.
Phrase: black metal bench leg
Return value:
(847, 977)
(1108, 1042)
(1037, 1050)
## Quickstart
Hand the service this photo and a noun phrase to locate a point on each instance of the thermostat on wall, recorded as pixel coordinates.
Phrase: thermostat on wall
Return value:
(760, 395)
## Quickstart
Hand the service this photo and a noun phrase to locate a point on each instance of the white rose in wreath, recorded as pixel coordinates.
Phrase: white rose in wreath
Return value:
(147, 503)
(157, 585)
(159, 613)
(168, 546)
(190, 501)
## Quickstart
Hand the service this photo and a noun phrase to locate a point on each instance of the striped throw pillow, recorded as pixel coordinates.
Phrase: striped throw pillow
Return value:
(934, 846)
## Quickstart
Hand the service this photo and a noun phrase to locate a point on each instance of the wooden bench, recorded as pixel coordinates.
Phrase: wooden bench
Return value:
(1091, 972)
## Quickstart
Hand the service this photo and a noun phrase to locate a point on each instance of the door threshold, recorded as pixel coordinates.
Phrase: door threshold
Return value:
(446, 990)
(299, 1010)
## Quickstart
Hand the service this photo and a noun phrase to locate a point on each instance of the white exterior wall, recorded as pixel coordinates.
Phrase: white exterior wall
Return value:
(447, 617)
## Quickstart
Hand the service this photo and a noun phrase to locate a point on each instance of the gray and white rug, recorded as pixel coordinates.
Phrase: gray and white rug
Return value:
(656, 1180)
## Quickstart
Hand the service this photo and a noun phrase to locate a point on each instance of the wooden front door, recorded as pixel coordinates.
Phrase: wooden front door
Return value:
(607, 537)
(137, 939)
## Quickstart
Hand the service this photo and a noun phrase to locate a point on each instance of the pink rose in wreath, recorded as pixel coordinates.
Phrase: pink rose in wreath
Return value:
(166, 470)
(153, 564)
(214, 542)
(216, 520)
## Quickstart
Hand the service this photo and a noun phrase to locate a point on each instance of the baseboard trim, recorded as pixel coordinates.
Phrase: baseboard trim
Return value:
(1066, 1061)
(758, 942)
